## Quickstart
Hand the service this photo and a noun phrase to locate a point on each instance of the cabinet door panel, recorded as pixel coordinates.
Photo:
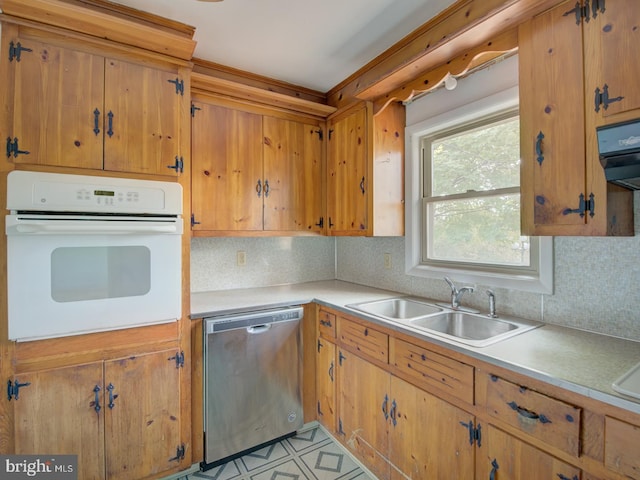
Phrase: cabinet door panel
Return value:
(57, 91)
(617, 37)
(364, 407)
(56, 414)
(146, 119)
(142, 426)
(227, 165)
(293, 170)
(511, 458)
(326, 384)
(347, 176)
(553, 173)
(440, 449)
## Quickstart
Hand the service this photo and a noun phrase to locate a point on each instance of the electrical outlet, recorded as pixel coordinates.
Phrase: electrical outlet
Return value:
(241, 258)
(387, 261)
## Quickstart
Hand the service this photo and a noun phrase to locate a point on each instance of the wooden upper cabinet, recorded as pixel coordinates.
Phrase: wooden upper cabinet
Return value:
(348, 177)
(292, 175)
(142, 118)
(74, 108)
(226, 154)
(58, 98)
(254, 173)
(564, 191)
(365, 171)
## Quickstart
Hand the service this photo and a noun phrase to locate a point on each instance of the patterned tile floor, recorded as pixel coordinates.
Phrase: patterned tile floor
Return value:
(310, 455)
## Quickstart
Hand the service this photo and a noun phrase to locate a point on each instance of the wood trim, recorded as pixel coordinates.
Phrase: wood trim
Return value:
(257, 95)
(461, 27)
(102, 23)
(224, 72)
(503, 45)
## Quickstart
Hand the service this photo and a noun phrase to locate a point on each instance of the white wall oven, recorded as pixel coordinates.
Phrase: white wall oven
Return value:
(88, 254)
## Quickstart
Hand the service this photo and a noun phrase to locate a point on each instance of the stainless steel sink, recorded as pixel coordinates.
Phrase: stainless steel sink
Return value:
(400, 308)
(471, 329)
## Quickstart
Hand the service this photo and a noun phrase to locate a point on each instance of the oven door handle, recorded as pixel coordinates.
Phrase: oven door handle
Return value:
(109, 228)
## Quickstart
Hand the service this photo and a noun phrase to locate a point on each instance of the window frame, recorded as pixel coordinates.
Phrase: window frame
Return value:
(538, 278)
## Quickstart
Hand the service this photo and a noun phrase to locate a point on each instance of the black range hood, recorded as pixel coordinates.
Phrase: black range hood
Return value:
(619, 147)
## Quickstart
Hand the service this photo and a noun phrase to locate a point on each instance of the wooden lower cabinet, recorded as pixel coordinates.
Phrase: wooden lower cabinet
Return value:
(121, 417)
(325, 384)
(398, 430)
(507, 458)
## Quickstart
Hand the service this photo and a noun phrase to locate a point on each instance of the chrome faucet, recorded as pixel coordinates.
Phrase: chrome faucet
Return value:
(456, 293)
(492, 304)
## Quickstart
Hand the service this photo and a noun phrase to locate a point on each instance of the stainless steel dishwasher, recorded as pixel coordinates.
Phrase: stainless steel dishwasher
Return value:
(252, 380)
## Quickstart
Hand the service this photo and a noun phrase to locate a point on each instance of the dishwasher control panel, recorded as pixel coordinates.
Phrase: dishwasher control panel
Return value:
(252, 319)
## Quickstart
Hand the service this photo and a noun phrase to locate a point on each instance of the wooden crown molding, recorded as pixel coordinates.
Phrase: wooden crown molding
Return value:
(460, 28)
(207, 83)
(109, 21)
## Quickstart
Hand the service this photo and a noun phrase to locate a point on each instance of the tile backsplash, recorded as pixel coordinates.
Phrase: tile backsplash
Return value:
(269, 261)
(596, 279)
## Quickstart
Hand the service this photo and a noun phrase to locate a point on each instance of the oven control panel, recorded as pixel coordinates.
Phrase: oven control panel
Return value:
(40, 191)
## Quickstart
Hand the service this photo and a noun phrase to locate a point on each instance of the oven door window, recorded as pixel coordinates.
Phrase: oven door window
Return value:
(92, 273)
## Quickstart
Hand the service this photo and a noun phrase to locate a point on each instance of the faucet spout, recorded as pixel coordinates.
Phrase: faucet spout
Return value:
(456, 293)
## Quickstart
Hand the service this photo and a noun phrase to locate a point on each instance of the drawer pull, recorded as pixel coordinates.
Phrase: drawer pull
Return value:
(394, 408)
(523, 412)
(563, 477)
(325, 323)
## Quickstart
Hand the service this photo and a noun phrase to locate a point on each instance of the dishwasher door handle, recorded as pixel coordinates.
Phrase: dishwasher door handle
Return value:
(257, 329)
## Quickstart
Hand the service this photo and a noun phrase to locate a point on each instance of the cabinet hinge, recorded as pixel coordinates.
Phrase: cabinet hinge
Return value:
(320, 223)
(179, 359)
(180, 451)
(319, 411)
(584, 206)
(13, 149)
(178, 166)
(319, 345)
(330, 133)
(475, 433)
(13, 389)
(601, 97)
(179, 85)
(340, 358)
(586, 11)
(340, 430)
(193, 220)
(320, 133)
(193, 110)
(15, 51)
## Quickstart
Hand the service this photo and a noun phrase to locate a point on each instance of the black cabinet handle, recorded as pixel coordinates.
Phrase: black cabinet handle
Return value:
(110, 117)
(539, 154)
(523, 412)
(331, 372)
(96, 403)
(266, 188)
(494, 469)
(385, 405)
(96, 121)
(362, 185)
(394, 410)
(112, 397)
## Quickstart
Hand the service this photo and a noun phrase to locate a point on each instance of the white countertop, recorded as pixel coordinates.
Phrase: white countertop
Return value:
(583, 362)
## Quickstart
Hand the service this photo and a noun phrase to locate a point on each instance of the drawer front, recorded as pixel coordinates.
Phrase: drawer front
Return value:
(431, 370)
(538, 415)
(365, 340)
(327, 324)
(622, 447)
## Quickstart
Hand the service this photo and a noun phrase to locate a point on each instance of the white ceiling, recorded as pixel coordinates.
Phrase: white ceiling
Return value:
(314, 44)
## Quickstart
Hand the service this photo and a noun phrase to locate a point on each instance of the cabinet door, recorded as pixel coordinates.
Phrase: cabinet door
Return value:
(142, 124)
(428, 438)
(57, 414)
(58, 106)
(552, 124)
(325, 383)
(611, 47)
(347, 176)
(227, 179)
(142, 404)
(508, 458)
(292, 175)
(364, 408)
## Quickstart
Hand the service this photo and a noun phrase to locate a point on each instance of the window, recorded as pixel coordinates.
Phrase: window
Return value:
(463, 198)
(471, 195)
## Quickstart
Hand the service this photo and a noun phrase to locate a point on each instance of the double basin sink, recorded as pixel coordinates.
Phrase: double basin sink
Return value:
(471, 329)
